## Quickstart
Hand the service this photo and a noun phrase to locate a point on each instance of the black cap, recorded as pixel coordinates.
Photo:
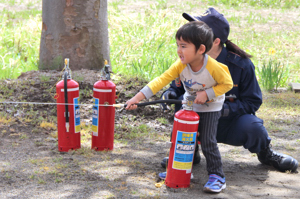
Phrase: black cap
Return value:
(214, 20)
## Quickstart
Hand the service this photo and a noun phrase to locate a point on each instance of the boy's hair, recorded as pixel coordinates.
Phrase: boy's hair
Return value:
(220, 28)
(197, 33)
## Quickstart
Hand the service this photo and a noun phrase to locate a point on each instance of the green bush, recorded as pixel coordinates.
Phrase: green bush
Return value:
(272, 74)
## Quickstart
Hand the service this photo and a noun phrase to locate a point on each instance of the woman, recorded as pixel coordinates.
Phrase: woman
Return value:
(238, 125)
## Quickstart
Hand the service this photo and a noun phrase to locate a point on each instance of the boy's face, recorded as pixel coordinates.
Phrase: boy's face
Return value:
(187, 52)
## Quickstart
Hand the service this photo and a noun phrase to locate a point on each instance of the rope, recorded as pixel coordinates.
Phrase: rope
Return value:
(115, 105)
(49, 103)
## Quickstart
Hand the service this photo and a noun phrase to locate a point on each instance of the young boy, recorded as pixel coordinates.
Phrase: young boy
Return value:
(204, 78)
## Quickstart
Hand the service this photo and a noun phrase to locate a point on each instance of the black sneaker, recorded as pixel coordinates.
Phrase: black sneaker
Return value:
(279, 161)
(197, 159)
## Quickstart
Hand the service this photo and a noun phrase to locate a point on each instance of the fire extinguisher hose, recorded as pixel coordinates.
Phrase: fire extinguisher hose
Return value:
(66, 95)
(66, 99)
(169, 101)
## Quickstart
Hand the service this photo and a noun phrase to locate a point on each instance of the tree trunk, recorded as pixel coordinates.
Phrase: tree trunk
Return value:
(74, 29)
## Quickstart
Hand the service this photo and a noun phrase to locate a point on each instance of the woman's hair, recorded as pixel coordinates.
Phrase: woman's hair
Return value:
(196, 32)
(234, 48)
(237, 50)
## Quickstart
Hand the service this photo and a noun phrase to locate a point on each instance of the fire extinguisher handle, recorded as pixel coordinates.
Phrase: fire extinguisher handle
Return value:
(231, 96)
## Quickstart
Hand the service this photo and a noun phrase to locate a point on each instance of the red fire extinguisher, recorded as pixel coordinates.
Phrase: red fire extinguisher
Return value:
(68, 115)
(103, 120)
(183, 143)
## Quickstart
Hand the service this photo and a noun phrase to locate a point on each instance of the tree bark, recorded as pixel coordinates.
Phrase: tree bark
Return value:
(74, 29)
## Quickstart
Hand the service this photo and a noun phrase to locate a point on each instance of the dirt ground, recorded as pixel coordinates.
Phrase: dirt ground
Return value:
(32, 167)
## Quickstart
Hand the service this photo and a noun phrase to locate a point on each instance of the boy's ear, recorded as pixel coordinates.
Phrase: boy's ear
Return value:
(201, 49)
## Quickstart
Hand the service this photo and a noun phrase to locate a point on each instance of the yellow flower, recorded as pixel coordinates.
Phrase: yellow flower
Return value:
(272, 51)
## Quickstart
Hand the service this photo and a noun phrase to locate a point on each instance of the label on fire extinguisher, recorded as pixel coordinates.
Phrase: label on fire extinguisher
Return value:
(95, 117)
(76, 115)
(184, 150)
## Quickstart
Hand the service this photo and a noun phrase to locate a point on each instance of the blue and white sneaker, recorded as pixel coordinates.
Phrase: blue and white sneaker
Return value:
(162, 175)
(215, 184)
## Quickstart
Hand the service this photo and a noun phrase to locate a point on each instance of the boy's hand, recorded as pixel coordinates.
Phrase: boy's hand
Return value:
(201, 97)
(136, 99)
(131, 103)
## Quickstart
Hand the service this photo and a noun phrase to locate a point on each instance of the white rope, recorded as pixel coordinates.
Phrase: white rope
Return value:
(49, 103)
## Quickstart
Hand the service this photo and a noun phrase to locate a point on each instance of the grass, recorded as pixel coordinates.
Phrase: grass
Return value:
(139, 52)
(142, 43)
(126, 131)
(19, 42)
(280, 112)
(48, 125)
(272, 74)
(256, 3)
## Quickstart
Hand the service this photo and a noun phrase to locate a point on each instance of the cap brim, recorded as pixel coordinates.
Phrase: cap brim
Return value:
(189, 17)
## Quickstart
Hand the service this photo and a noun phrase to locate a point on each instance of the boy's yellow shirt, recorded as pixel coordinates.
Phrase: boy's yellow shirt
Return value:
(213, 77)
(217, 70)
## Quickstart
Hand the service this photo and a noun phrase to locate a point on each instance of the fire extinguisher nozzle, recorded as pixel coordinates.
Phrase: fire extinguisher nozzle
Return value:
(119, 105)
(67, 126)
